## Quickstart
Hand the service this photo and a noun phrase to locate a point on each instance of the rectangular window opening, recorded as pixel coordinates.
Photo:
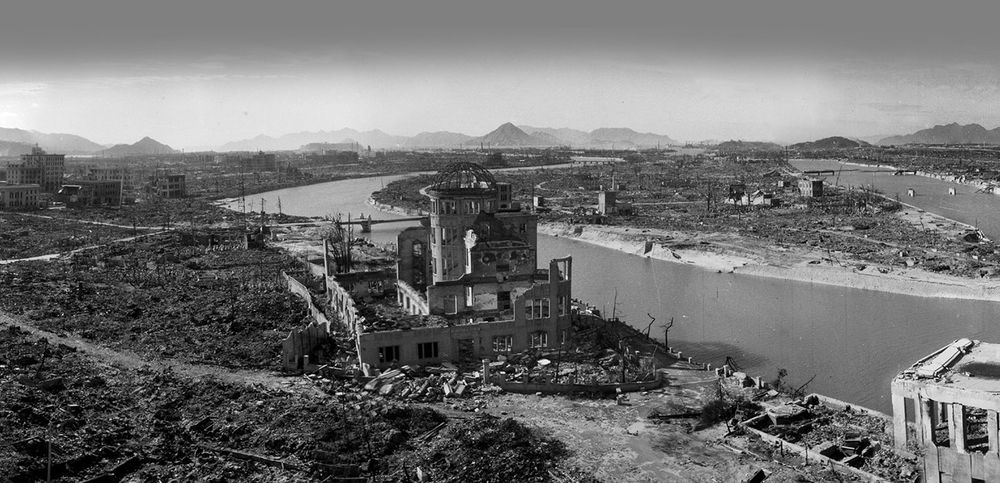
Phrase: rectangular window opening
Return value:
(388, 354)
(939, 421)
(503, 343)
(503, 300)
(539, 339)
(427, 350)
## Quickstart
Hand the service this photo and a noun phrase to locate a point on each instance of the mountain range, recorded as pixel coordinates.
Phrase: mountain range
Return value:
(506, 135)
(953, 133)
(53, 143)
(14, 141)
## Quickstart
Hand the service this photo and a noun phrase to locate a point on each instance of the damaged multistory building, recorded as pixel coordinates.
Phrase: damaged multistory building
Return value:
(946, 407)
(467, 284)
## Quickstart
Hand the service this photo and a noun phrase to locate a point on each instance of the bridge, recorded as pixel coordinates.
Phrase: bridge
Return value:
(366, 223)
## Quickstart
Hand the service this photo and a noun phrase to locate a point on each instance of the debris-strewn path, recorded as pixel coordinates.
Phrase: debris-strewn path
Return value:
(131, 360)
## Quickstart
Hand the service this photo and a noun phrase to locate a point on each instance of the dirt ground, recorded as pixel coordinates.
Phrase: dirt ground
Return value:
(621, 443)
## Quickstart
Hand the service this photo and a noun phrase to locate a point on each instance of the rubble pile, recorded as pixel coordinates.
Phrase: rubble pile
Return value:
(161, 298)
(409, 384)
(157, 425)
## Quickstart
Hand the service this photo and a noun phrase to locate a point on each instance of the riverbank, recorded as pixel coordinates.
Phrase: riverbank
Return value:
(732, 253)
(735, 254)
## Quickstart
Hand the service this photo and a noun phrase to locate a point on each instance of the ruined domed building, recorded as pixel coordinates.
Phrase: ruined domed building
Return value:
(467, 280)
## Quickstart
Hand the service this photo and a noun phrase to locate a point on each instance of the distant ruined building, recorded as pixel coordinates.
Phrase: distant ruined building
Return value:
(45, 170)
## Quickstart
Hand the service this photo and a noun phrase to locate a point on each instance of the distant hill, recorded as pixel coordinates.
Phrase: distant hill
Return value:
(953, 133)
(289, 142)
(605, 137)
(567, 136)
(54, 143)
(437, 139)
(146, 145)
(624, 137)
(743, 146)
(509, 135)
(834, 142)
(14, 148)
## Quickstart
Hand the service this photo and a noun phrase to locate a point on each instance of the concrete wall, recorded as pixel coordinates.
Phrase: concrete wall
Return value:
(303, 292)
(520, 329)
(303, 342)
(342, 303)
(448, 339)
(415, 271)
(410, 300)
(359, 284)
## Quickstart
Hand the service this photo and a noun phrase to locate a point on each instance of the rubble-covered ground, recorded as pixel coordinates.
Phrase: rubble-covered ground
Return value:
(146, 423)
(171, 213)
(851, 436)
(27, 235)
(162, 298)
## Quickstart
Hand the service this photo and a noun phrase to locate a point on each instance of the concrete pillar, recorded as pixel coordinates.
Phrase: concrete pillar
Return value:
(486, 371)
(927, 420)
(956, 427)
(991, 431)
(898, 421)
(960, 427)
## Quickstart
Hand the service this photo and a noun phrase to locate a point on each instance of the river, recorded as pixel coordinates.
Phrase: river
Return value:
(853, 341)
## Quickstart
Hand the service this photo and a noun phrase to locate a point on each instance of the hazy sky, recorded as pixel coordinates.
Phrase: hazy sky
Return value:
(200, 73)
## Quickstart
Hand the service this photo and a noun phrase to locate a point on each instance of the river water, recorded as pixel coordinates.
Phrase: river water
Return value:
(853, 341)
